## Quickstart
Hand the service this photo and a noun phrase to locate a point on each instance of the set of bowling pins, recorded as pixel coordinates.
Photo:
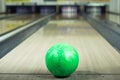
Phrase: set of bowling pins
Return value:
(23, 10)
(69, 11)
(46, 10)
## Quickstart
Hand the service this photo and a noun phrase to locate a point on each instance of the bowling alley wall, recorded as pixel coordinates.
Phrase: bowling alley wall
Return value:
(2, 6)
(8, 5)
(114, 6)
(84, 0)
(42, 1)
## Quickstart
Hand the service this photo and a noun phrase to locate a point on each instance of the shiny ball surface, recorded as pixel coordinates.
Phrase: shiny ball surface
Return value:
(62, 59)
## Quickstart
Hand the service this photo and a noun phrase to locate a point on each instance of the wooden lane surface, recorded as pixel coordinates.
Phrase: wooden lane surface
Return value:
(97, 56)
(7, 25)
(60, 17)
(6, 15)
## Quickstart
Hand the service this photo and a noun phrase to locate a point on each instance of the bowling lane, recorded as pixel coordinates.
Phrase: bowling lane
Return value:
(6, 15)
(97, 56)
(67, 17)
(7, 25)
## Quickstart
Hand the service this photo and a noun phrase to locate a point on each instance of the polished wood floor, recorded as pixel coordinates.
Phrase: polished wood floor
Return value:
(9, 24)
(97, 56)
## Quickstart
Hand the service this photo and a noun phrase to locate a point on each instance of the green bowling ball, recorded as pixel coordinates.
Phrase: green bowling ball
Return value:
(62, 60)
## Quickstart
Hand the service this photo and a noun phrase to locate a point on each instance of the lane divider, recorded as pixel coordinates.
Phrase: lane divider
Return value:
(8, 35)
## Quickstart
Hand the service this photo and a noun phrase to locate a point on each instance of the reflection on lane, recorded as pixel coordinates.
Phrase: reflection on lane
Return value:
(67, 28)
(7, 25)
(60, 17)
